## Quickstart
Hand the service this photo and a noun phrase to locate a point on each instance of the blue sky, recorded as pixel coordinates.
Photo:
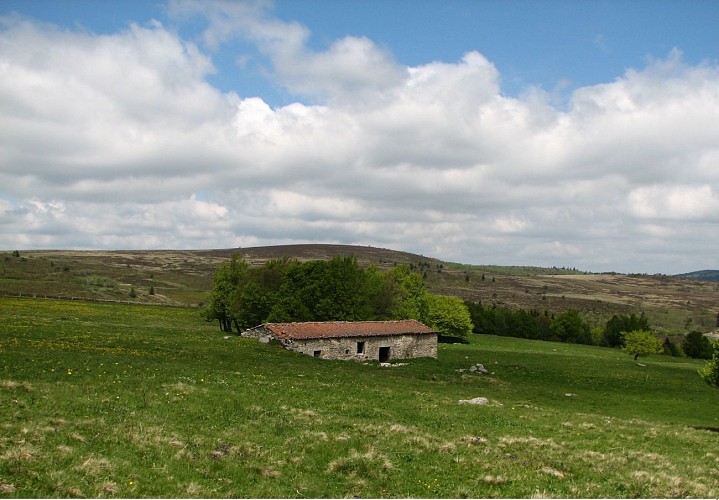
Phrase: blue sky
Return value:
(569, 133)
(554, 44)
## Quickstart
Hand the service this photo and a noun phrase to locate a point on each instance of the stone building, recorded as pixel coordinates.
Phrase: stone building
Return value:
(353, 340)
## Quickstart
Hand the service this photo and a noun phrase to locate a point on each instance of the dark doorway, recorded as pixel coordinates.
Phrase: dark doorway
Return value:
(383, 354)
(318, 354)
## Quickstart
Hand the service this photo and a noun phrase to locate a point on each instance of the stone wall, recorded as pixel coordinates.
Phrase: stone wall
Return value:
(351, 348)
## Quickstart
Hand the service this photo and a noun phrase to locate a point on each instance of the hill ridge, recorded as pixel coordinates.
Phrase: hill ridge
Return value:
(184, 277)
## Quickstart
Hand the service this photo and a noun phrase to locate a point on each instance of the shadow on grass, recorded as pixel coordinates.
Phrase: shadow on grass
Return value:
(703, 428)
(447, 339)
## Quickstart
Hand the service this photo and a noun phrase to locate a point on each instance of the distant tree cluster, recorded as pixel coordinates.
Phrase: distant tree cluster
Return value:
(245, 296)
(630, 332)
(534, 324)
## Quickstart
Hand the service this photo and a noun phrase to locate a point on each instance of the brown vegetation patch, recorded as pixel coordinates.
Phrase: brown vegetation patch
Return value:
(7, 488)
(11, 385)
(95, 465)
(553, 472)
(367, 464)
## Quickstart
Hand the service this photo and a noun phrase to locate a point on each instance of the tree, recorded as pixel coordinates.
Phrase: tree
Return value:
(228, 277)
(570, 327)
(696, 345)
(710, 372)
(641, 343)
(409, 295)
(448, 315)
(672, 349)
(620, 323)
(334, 290)
(257, 293)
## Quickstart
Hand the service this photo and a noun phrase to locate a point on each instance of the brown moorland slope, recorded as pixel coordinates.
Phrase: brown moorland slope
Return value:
(184, 277)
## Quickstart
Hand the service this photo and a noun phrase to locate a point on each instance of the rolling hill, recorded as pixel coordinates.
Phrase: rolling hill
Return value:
(184, 277)
(706, 275)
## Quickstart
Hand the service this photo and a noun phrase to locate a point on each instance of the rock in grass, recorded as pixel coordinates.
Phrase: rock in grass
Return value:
(475, 401)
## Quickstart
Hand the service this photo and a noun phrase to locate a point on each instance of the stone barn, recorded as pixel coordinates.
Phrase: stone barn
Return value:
(353, 340)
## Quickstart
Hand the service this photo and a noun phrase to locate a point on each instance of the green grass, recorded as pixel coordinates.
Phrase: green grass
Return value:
(113, 400)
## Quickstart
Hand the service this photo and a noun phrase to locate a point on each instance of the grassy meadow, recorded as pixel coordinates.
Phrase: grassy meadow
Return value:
(118, 400)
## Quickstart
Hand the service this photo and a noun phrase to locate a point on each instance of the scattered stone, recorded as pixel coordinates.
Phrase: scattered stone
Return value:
(571, 395)
(476, 440)
(392, 365)
(641, 364)
(479, 367)
(225, 337)
(553, 472)
(475, 401)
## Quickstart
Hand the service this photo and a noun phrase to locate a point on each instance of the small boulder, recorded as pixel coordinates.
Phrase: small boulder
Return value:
(474, 401)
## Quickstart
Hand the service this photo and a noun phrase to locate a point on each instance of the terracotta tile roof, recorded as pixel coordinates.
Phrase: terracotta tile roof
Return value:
(332, 329)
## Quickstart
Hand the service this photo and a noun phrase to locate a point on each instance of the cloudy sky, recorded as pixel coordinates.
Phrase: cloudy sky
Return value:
(579, 134)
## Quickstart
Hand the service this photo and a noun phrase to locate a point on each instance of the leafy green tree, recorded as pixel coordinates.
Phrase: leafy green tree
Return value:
(710, 371)
(343, 292)
(380, 293)
(620, 323)
(570, 327)
(257, 293)
(641, 343)
(448, 315)
(225, 289)
(298, 293)
(696, 345)
(409, 295)
(334, 290)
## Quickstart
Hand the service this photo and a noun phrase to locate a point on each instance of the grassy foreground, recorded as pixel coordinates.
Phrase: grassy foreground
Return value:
(103, 400)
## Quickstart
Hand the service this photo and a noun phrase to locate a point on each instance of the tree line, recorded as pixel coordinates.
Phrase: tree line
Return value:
(339, 289)
(569, 326)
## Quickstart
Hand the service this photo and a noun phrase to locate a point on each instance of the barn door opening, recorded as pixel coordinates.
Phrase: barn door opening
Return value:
(383, 354)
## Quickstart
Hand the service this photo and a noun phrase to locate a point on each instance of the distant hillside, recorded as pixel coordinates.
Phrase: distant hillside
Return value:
(184, 277)
(706, 275)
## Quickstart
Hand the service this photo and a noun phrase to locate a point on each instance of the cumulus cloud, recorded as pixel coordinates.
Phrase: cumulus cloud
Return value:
(119, 141)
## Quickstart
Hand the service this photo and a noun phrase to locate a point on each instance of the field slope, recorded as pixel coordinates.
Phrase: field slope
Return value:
(116, 400)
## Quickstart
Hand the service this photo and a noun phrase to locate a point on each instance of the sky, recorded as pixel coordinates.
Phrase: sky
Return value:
(580, 134)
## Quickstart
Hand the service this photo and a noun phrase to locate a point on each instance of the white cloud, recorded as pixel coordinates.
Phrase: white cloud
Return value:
(105, 141)
(674, 202)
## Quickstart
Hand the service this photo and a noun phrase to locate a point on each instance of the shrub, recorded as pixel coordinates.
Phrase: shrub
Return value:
(641, 343)
(697, 346)
(710, 372)
(671, 348)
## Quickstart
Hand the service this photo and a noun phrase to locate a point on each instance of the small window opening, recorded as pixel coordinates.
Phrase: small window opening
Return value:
(317, 354)
(360, 347)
